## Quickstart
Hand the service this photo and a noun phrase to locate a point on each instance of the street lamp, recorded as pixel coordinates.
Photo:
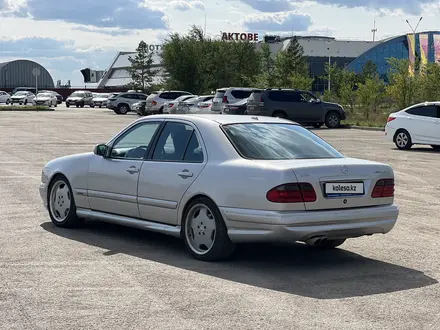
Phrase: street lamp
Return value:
(414, 30)
(329, 65)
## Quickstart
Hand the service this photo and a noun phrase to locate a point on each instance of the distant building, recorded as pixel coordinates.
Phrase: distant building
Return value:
(320, 50)
(352, 54)
(19, 73)
(423, 46)
(117, 75)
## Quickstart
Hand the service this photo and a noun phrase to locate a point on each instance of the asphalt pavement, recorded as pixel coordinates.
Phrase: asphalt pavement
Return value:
(109, 277)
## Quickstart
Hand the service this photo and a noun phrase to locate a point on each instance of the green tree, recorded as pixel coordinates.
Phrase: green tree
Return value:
(369, 71)
(290, 62)
(403, 87)
(301, 81)
(266, 76)
(199, 65)
(428, 83)
(371, 95)
(140, 69)
(347, 94)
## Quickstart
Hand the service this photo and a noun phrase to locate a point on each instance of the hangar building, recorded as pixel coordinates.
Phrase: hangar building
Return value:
(18, 73)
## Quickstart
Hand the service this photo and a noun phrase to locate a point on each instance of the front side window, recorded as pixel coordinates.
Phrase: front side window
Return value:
(173, 142)
(307, 97)
(135, 143)
(274, 141)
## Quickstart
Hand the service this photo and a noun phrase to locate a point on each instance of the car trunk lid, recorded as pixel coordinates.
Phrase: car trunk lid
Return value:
(342, 182)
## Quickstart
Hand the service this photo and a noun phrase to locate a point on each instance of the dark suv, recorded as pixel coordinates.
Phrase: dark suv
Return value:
(297, 105)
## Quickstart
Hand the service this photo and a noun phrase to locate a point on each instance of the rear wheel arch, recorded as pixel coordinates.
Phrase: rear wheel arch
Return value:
(187, 203)
(279, 113)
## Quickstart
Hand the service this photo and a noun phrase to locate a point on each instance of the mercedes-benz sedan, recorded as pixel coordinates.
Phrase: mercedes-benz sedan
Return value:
(217, 181)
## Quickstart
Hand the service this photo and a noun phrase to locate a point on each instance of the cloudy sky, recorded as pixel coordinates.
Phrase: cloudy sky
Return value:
(66, 36)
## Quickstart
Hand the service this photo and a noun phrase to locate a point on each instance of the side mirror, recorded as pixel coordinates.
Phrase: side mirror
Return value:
(100, 150)
(318, 101)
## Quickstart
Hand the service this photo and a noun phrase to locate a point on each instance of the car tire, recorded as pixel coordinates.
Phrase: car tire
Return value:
(8, 101)
(61, 203)
(25, 102)
(56, 105)
(92, 106)
(77, 105)
(82, 105)
(318, 125)
(332, 120)
(67, 105)
(99, 107)
(402, 140)
(123, 109)
(279, 114)
(203, 225)
(327, 244)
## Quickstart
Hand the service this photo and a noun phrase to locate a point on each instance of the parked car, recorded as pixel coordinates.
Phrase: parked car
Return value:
(33, 90)
(178, 105)
(22, 98)
(58, 96)
(139, 107)
(417, 124)
(297, 105)
(214, 181)
(229, 95)
(5, 97)
(156, 100)
(192, 105)
(238, 108)
(79, 99)
(47, 99)
(100, 100)
(122, 103)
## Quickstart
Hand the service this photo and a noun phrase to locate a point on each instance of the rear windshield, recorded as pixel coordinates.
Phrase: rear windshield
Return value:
(274, 141)
(219, 93)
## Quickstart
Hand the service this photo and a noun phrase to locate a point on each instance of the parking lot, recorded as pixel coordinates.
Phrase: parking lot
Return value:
(109, 277)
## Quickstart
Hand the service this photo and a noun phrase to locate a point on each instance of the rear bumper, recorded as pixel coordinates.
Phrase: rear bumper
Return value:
(246, 225)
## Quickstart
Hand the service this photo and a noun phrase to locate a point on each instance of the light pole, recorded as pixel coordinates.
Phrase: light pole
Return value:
(329, 66)
(414, 30)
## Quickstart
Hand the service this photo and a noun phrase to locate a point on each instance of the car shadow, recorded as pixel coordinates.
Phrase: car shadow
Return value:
(294, 268)
(427, 150)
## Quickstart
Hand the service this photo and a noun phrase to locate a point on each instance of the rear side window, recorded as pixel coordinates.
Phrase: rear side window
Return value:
(219, 93)
(424, 111)
(166, 96)
(122, 95)
(273, 141)
(284, 96)
(241, 94)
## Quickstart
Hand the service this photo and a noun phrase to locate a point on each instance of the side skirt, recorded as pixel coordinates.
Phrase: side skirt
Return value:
(130, 222)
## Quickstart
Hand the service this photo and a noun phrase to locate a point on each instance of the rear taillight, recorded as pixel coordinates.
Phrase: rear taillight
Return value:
(292, 193)
(154, 102)
(170, 105)
(261, 101)
(390, 119)
(383, 188)
(225, 99)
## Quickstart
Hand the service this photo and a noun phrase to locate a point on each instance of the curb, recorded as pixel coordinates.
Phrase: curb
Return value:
(31, 110)
(366, 128)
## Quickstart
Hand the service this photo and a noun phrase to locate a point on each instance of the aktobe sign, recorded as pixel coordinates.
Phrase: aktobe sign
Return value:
(240, 36)
(154, 47)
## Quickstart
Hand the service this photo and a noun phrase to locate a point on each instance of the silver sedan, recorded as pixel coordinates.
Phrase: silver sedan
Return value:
(217, 181)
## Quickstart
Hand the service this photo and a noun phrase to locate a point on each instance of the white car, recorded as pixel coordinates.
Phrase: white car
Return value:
(178, 105)
(229, 95)
(417, 124)
(47, 99)
(217, 181)
(5, 97)
(155, 101)
(22, 97)
(100, 100)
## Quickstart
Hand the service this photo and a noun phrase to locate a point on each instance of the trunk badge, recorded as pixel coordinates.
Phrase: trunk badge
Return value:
(344, 169)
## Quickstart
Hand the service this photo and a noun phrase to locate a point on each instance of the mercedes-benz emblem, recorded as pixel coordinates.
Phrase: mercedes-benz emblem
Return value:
(344, 169)
(345, 201)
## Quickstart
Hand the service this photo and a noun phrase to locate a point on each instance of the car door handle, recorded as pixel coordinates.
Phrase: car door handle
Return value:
(132, 170)
(185, 174)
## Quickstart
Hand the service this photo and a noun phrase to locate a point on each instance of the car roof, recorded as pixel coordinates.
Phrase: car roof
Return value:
(220, 119)
(420, 104)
